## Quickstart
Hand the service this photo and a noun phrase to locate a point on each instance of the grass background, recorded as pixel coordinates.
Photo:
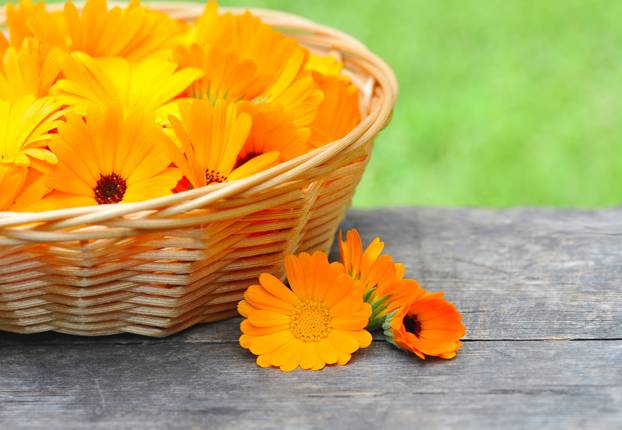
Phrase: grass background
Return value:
(503, 102)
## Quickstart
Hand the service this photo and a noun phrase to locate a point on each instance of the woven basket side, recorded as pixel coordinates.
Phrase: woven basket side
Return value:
(157, 267)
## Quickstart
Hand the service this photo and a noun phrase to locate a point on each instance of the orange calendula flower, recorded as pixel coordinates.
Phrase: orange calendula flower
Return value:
(339, 111)
(148, 85)
(226, 76)
(385, 286)
(28, 126)
(268, 66)
(208, 140)
(273, 129)
(28, 70)
(27, 19)
(133, 32)
(321, 320)
(429, 326)
(109, 157)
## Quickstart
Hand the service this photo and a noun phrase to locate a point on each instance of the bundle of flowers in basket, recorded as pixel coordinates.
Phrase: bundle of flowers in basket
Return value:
(154, 160)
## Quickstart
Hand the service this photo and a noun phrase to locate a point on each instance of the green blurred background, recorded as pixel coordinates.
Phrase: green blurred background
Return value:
(503, 102)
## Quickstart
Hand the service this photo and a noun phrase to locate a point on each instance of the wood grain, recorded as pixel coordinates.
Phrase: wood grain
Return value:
(539, 290)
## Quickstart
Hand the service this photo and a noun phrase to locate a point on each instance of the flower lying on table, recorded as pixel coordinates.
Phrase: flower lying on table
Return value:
(325, 314)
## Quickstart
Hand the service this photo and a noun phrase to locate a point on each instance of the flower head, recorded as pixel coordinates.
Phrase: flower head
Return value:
(339, 111)
(27, 19)
(430, 325)
(109, 157)
(385, 287)
(226, 76)
(265, 65)
(29, 69)
(147, 85)
(28, 126)
(321, 320)
(134, 32)
(273, 129)
(208, 140)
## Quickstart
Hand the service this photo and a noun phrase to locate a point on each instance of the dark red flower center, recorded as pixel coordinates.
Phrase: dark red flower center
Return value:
(212, 176)
(247, 157)
(412, 324)
(110, 189)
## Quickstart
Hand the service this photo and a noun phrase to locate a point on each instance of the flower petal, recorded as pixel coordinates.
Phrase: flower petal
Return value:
(263, 318)
(327, 352)
(309, 357)
(264, 344)
(278, 289)
(343, 341)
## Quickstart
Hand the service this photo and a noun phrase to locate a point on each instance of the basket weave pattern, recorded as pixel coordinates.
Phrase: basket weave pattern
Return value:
(157, 267)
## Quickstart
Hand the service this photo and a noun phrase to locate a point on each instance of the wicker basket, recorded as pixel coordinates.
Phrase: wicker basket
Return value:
(157, 267)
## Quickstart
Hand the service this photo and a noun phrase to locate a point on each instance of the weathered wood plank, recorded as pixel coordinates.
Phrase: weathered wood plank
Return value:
(514, 274)
(522, 279)
(496, 385)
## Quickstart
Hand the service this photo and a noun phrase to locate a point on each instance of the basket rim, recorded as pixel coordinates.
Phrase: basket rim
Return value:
(384, 89)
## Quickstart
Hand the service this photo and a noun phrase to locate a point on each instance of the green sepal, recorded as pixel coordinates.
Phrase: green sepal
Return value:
(386, 326)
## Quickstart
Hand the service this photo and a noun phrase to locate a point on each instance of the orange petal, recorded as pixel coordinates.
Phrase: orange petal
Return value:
(343, 358)
(261, 318)
(354, 321)
(343, 341)
(285, 353)
(327, 352)
(247, 328)
(264, 344)
(263, 361)
(363, 337)
(278, 289)
(293, 361)
(309, 357)
(260, 298)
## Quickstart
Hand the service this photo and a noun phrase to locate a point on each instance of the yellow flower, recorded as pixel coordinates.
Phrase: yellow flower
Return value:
(28, 70)
(321, 320)
(26, 130)
(339, 111)
(209, 139)
(429, 325)
(273, 129)
(134, 32)
(385, 287)
(269, 64)
(109, 158)
(148, 85)
(27, 126)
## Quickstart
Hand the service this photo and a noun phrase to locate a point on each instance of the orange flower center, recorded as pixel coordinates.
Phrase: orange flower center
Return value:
(212, 176)
(310, 321)
(412, 324)
(110, 189)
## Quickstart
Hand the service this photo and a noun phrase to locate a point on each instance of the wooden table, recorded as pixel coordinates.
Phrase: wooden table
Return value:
(541, 296)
